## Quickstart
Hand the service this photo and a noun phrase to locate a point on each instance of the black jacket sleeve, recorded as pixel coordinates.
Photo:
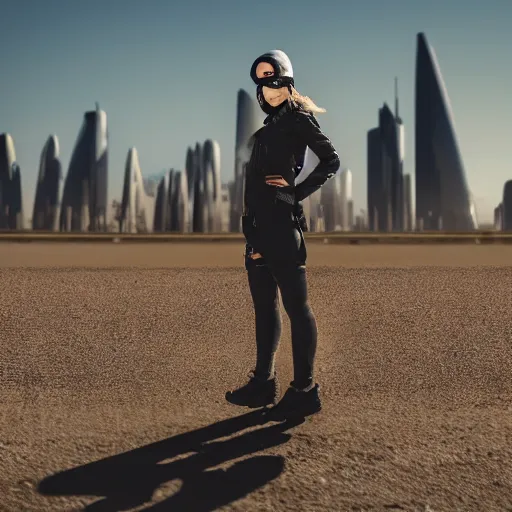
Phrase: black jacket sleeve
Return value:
(309, 133)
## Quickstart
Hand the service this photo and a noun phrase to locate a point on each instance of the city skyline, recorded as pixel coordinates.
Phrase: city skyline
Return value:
(189, 200)
(155, 106)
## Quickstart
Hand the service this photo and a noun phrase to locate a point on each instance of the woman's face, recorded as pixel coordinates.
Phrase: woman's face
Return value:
(273, 97)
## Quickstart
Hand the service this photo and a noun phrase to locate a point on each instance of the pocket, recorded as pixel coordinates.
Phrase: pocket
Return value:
(251, 263)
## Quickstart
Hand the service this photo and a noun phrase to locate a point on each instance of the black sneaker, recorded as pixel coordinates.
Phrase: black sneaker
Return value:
(256, 393)
(296, 404)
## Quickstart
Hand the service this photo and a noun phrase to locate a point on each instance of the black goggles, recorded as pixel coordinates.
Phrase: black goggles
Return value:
(275, 83)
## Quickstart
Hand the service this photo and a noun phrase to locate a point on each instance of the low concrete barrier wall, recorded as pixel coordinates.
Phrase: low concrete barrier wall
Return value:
(483, 237)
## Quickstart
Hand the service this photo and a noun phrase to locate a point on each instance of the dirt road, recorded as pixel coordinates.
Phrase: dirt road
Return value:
(115, 360)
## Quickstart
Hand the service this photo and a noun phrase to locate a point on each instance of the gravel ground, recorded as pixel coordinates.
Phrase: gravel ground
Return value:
(115, 360)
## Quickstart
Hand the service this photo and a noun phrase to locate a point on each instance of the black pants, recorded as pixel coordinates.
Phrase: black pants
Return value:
(264, 281)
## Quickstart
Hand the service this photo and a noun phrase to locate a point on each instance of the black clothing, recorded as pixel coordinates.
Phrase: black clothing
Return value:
(263, 283)
(257, 392)
(273, 225)
(270, 220)
(279, 148)
(296, 404)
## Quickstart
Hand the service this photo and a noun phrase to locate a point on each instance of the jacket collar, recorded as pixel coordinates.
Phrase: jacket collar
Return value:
(287, 107)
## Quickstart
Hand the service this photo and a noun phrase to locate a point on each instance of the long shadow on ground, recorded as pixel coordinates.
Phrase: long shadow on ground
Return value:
(130, 479)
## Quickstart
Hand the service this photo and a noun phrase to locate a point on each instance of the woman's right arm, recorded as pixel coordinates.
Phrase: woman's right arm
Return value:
(309, 133)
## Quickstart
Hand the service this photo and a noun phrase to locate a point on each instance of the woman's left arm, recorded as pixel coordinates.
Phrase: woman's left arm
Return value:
(309, 133)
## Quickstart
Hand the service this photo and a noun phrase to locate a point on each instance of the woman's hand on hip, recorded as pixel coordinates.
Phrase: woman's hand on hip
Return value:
(276, 181)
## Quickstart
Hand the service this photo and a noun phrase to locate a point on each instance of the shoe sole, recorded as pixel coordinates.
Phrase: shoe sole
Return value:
(252, 405)
(292, 415)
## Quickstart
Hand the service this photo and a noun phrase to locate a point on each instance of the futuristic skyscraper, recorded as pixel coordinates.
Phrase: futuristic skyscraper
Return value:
(392, 131)
(498, 214)
(190, 200)
(330, 199)
(179, 203)
(345, 178)
(46, 204)
(248, 121)
(407, 190)
(211, 177)
(374, 179)
(385, 172)
(335, 203)
(137, 208)
(506, 207)
(442, 194)
(84, 201)
(11, 205)
(175, 213)
(16, 220)
(314, 211)
(199, 211)
(190, 171)
(161, 205)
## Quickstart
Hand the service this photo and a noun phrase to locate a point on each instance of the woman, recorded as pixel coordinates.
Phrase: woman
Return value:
(273, 226)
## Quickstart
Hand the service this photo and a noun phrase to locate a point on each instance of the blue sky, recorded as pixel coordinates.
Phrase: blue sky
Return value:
(167, 73)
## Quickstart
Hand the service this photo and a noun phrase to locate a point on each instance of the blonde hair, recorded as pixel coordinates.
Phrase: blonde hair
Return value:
(305, 102)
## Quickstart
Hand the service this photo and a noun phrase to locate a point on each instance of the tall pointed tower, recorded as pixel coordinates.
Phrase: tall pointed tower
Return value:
(442, 193)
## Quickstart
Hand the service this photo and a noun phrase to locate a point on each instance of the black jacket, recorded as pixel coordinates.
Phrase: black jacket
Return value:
(269, 218)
